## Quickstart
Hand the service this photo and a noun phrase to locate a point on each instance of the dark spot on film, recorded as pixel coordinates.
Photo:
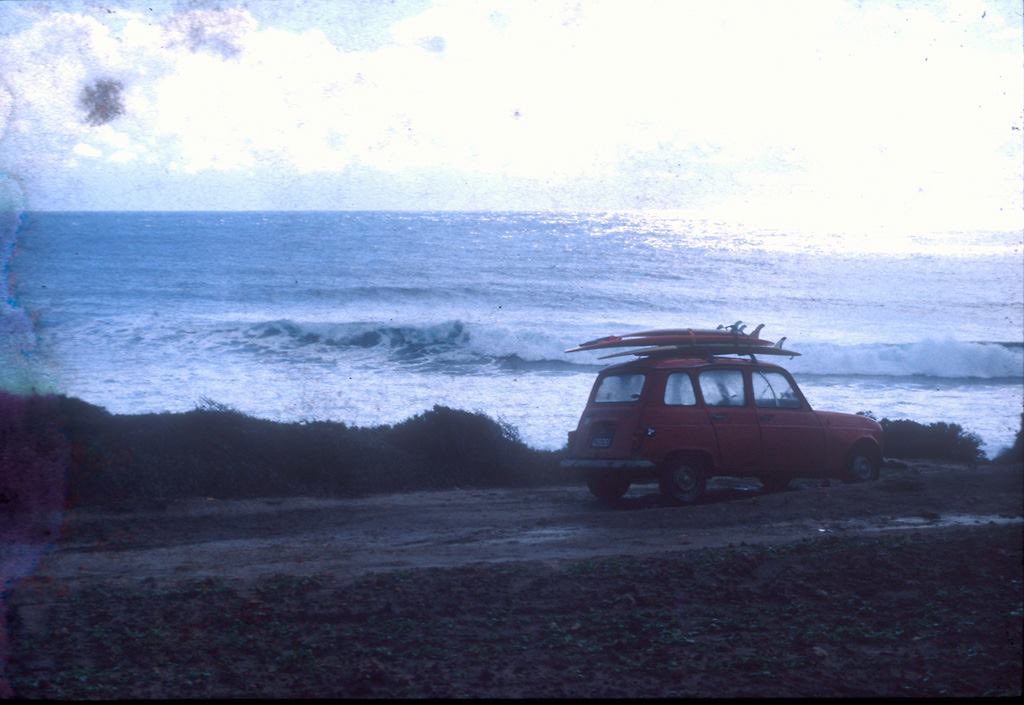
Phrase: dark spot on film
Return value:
(102, 101)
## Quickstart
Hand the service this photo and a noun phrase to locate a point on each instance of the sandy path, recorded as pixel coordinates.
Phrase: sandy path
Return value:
(350, 537)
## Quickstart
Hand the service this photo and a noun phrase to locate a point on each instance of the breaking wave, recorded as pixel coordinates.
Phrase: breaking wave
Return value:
(402, 340)
(449, 343)
(460, 344)
(947, 359)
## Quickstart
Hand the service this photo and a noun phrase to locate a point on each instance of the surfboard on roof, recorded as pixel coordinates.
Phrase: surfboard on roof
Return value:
(700, 342)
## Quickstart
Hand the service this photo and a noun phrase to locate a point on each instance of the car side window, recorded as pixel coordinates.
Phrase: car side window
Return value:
(722, 388)
(773, 390)
(679, 390)
(619, 388)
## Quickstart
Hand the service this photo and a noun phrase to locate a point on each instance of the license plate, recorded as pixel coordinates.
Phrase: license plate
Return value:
(600, 443)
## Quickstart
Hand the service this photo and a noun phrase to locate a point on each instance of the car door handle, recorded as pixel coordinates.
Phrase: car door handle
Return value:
(718, 417)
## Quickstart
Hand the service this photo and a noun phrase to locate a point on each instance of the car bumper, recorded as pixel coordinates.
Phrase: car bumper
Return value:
(603, 464)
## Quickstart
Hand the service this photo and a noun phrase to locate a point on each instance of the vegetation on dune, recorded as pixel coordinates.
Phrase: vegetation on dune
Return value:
(216, 451)
(942, 441)
(938, 441)
(33, 455)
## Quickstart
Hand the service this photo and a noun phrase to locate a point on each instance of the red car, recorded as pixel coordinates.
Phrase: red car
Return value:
(680, 421)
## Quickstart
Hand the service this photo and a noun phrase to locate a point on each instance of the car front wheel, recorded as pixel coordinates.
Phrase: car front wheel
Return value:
(608, 489)
(683, 481)
(861, 468)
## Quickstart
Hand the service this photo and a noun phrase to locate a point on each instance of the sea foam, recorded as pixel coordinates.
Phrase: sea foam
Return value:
(460, 342)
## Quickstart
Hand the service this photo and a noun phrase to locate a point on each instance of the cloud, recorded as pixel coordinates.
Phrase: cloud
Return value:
(86, 150)
(123, 155)
(219, 31)
(69, 75)
(434, 44)
(866, 109)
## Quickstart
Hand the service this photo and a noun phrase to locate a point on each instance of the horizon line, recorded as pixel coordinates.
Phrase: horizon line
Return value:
(677, 212)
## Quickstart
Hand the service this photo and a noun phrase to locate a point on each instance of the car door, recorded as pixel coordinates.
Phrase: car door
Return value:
(792, 437)
(724, 393)
(678, 422)
(607, 426)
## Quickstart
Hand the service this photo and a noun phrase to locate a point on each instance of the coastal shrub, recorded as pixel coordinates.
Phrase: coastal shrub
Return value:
(462, 448)
(1015, 453)
(34, 456)
(216, 451)
(941, 441)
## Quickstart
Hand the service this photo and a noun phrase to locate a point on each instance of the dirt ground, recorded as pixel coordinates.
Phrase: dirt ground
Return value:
(910, 585)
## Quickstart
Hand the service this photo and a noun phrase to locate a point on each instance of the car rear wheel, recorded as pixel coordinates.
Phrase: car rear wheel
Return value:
(608, 489)
(683, 480)
(861, 468)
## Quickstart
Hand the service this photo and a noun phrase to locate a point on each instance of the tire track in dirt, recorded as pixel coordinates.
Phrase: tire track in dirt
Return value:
(245, 539)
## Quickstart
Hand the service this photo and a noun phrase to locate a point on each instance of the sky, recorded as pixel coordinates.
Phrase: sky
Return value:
(825, 111)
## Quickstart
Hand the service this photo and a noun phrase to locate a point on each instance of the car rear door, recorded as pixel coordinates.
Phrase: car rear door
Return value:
(607, 427)
(726, 399)
(676, 421)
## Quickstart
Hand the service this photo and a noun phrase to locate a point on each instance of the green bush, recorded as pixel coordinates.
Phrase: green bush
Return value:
(939, 440)
(34, 456)
(216, 451)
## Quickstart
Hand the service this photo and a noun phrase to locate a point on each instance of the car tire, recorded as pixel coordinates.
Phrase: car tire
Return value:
(608, 489)
(683, 480)
(774, 482)
(861, 468)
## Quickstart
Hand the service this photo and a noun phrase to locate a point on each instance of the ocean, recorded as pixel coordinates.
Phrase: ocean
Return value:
(371, 317)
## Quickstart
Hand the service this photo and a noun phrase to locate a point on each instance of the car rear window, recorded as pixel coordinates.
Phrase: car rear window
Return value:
(619, 388)
(679, 390)
(722, 388)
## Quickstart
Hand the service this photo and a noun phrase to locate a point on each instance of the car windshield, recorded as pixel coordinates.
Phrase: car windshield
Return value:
(619, 388)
